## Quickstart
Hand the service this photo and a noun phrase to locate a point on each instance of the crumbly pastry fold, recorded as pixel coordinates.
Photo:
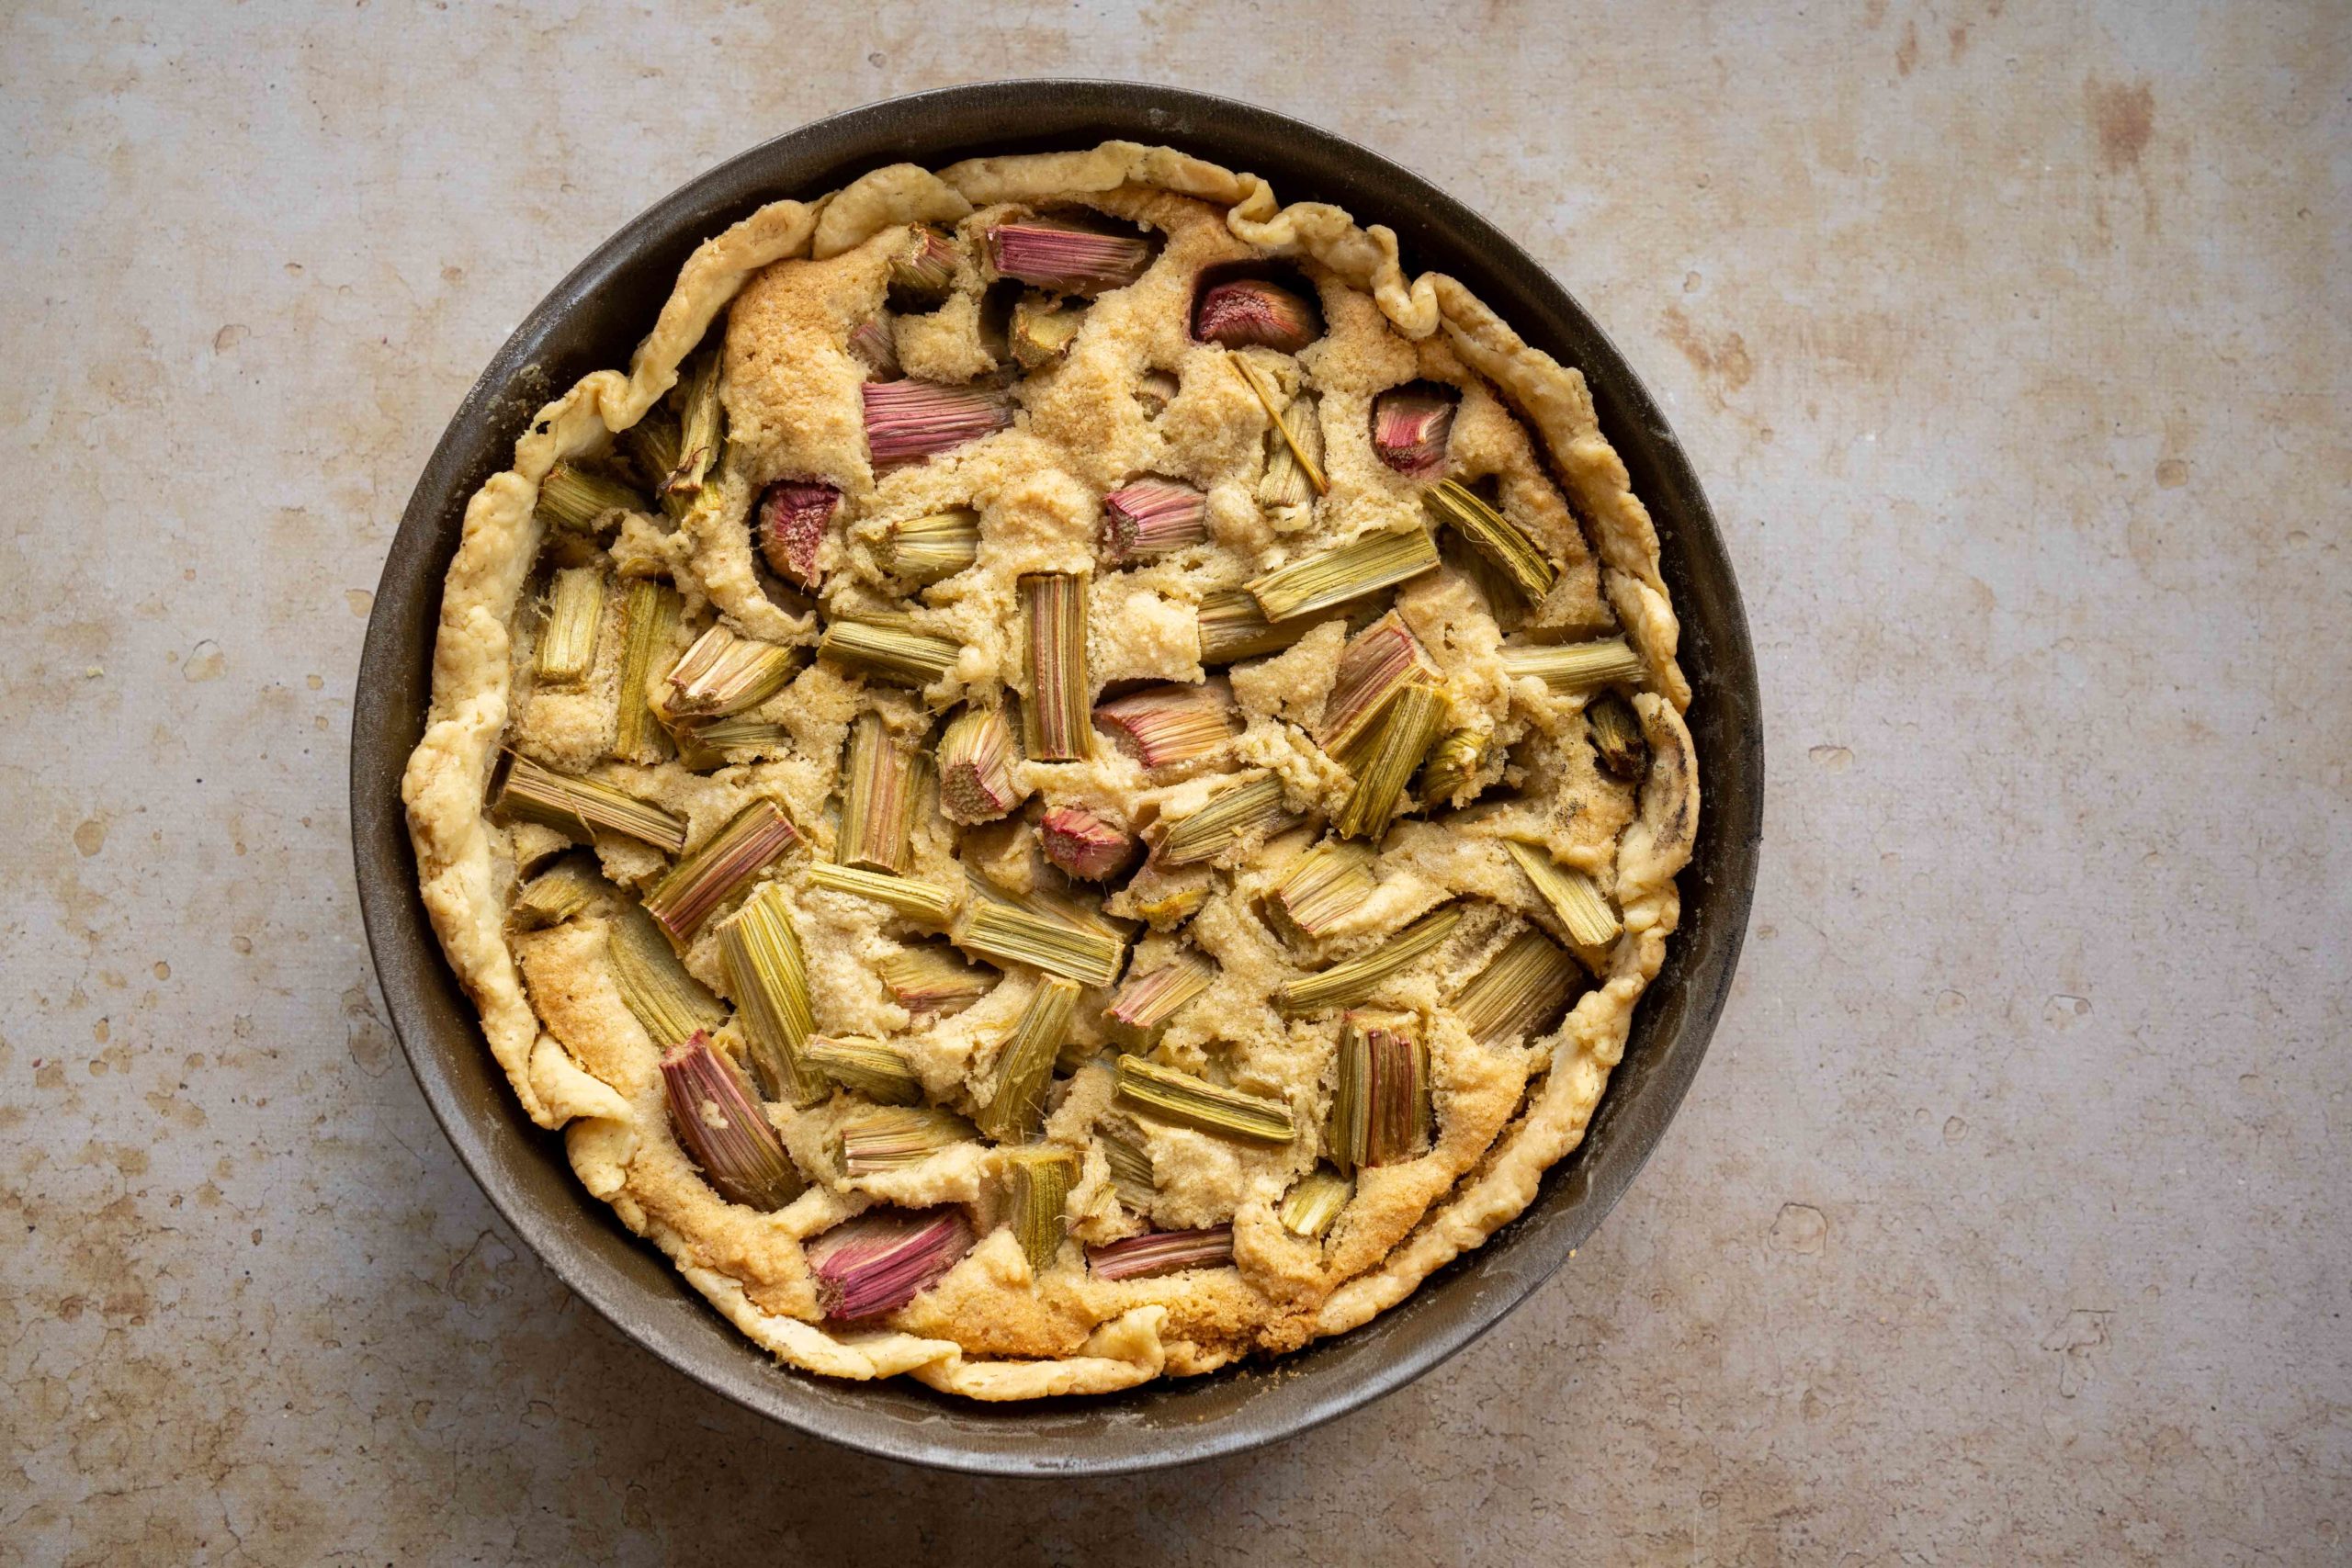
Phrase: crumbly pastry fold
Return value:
(992, 1327)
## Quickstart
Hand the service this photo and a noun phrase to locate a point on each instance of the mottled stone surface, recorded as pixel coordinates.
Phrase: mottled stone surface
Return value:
(2010, 1219)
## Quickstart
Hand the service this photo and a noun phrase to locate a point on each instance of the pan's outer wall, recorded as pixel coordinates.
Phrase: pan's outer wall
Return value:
(593, 319)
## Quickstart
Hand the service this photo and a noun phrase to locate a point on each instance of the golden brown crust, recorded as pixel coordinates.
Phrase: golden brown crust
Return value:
(796, 278)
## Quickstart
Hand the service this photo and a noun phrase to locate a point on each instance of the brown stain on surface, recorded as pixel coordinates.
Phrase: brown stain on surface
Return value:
(1906, 53)
(1870, 345)
(1799, 1228)
(1723, 358)
(2123, 117)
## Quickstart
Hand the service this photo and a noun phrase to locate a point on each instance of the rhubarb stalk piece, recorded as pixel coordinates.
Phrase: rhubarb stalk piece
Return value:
(1038, 1181)
(1155, 391)
(917, 900)
(1309, 1208)
(568, 636)
(1391, 759)
(892, 1137)
(1010, 935)
(1505, 546)
(1125, 1151)
(1045, 903)
(1342, 985)
(907, 421)
(522, 790)
(1085, 843)
(1252, 806)
(670, 1003)
(1305, 451)
(742, 734)
(1161, 1252)
(927, 979)
(569, 887)
(650, 620)
(888, 653)
(1377, 663)
(1334, 577)
(1153, 517)
(1065, 258)
(723, 675)
(1380, 1108)
(1328, 883)
(1454, 762)
(870, 1067)
(580, 497)
(694, 754)
(654, 445)
(1571, 668)
(1167, 903)
(1251, 312)
(1617, 742)
(1410, 426)
(1025, 1068)
(1166, 1094)
(1161, 726)
(1522, 990)
(924, 551)
(872, 344)
(1054, 716)
(768, 973)
(794, 516)
(1301, 445)
(976, 756)
(757, 838)
(723, 1132)
(884, 1259)
(1141, 1011)
(882, 784)
(1572, 894)
(1293, 474)
(1042, 330)
(923, 268)
(1234, 628)
(701, 426)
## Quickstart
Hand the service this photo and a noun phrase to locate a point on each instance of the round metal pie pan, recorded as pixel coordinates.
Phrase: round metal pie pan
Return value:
(590, 320)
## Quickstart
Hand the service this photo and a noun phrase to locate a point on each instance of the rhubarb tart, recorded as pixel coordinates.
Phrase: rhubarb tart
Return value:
(1070, 778)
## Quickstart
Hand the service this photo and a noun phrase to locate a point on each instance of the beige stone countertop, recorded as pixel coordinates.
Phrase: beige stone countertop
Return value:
(2009, 1217)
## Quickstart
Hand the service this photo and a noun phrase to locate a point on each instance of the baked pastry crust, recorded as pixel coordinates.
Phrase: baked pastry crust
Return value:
(795, 278)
